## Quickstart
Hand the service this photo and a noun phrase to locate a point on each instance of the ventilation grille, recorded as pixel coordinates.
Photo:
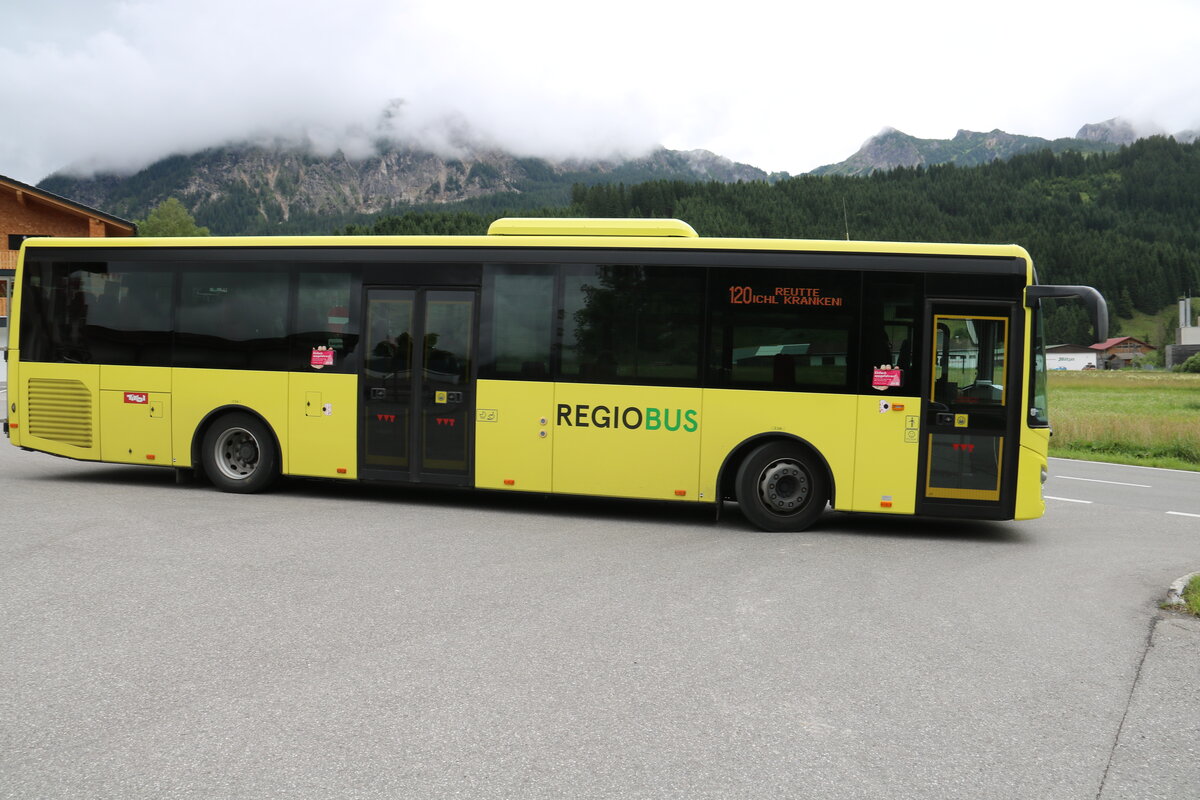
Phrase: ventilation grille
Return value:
(60, 410)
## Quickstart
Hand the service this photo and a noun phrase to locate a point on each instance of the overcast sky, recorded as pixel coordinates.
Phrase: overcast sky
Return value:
(780, 85)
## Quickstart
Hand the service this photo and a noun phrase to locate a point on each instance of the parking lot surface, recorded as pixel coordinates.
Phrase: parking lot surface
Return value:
(332, 640)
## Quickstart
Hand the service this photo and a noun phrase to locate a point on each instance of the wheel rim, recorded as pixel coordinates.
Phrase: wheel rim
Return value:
(784, 487)
(237, 454)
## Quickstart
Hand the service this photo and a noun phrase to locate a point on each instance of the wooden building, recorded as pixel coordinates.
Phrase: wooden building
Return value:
(1121, 351)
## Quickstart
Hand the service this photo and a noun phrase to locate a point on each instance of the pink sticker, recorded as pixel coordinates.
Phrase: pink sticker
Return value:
(884, 378)
(321, 357)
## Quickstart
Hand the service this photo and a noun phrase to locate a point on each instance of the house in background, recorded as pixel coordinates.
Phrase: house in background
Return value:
(1121, 351)
(27, 211)
(1071, 356)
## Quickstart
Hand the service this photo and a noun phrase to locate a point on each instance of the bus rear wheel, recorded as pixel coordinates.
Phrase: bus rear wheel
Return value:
(238, 454)
(779, 488)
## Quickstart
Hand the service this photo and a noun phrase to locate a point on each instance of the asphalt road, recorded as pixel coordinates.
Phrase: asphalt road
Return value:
(345, 641)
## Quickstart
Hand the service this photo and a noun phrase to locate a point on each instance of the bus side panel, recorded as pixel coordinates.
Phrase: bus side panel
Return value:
(826, 421)
(322, 434)
(1035, 443)
(886, 449)
(135, 415)
(197, 392)
(514, 443)
(627, 441)
(59, 409)
(14, 397)
(15, 410)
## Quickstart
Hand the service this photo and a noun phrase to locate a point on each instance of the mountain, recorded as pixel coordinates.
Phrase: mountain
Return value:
(280, 188)
(288, 188)
(1113, 131)
(892, 148)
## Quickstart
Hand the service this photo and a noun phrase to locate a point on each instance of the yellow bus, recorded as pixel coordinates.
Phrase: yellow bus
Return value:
(602, 357)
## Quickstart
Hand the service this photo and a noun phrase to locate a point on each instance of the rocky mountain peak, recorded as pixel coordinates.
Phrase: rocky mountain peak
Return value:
(257, 187)
(1116, 131)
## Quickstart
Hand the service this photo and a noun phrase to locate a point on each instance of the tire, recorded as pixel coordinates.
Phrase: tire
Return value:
(238, 454)
(779, 488)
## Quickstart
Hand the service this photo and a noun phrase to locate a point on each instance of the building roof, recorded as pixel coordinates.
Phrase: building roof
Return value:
(1063, 348)
(53, 199)
(1110, 343)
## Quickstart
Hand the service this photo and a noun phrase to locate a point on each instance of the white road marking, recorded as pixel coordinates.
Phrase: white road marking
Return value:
(1183, 514)
(1068, 499)
(1124, 466)
(1096, 480)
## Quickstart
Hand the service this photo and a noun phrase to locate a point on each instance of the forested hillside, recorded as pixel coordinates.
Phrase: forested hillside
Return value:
(1126, 222)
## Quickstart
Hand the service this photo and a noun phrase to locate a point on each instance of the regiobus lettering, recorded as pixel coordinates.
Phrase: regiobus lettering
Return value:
(631, 417)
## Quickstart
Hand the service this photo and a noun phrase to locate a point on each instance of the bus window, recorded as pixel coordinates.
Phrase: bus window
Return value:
(632, 324)
(129, 321)
(324, 321)
(891, 334)
(232, 319)
(779, 330)
(1038, 413)
(520, 321)
(971, 359)
(97, 312)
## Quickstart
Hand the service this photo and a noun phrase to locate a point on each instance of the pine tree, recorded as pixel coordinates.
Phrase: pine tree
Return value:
(1123, 304)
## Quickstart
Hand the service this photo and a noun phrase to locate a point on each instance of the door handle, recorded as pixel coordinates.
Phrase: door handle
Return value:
(378, 393)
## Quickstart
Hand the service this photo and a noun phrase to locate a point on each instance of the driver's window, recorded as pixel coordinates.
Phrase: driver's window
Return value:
(971, 357)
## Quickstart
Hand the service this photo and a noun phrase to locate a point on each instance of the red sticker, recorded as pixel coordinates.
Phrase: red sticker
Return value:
(137, 397)
(321, 357)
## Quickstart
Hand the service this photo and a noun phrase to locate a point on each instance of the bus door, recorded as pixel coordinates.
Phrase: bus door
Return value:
(417, 383)
(969, 431)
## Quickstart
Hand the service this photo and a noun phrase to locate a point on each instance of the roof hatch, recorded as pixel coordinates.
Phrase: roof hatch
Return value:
(552, 226)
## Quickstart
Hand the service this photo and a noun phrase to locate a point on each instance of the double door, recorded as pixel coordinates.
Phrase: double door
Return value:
(417, 383)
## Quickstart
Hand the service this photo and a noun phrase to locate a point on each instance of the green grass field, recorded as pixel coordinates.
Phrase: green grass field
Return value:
(1139, 417)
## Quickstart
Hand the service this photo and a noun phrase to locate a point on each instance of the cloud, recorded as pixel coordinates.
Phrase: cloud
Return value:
(116, 84)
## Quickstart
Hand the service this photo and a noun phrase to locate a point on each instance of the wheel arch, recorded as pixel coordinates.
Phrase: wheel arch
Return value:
(220, 411)
(727, 475)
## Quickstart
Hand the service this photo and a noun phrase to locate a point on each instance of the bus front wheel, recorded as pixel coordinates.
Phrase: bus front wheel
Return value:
(779, 488)
(238, 454)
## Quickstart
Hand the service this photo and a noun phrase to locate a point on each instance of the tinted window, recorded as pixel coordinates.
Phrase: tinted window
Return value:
(236, 315)
(1038, 413)
(130, 318)
(518, 322)
(891, 338)
(325, 332)
(447, 342)
(55, 310)
(632, 324)
(232, 319)
(95, 312)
